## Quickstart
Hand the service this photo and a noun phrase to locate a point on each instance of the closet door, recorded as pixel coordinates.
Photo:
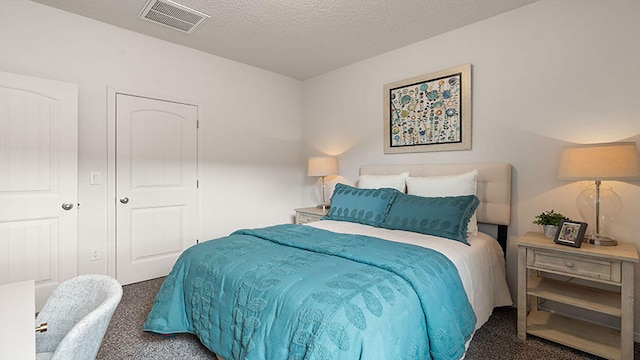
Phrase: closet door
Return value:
(38, 181)
(156, 189)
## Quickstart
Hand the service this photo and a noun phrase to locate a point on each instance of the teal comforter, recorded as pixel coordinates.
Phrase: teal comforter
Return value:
(297, 292)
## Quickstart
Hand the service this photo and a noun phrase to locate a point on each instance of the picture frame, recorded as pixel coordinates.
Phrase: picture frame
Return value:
(570, 233)
(430, 112)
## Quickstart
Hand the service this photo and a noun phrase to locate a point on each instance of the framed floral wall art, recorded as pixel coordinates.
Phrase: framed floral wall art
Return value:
(429, 113)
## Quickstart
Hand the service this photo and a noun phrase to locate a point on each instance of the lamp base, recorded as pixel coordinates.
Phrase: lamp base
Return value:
(600, 240)
(323, 207)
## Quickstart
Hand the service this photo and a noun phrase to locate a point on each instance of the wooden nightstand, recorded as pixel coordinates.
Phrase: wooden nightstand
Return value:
(614, 265)
(310, 214)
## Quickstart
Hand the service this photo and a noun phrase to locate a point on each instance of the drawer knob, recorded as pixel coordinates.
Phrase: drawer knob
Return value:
(569, 264)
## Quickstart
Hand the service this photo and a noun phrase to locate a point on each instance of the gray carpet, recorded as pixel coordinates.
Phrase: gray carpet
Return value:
(124, 339)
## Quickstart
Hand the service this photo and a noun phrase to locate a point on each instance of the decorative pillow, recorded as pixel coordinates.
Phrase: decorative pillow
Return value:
(364, 206)
(453, 185)
(383, 181)
(446, 217)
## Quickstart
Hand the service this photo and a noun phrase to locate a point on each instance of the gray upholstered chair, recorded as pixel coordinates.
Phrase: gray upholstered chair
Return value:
(77, 312)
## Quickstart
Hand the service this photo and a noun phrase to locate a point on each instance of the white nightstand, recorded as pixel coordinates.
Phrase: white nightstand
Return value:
(310, 214)
(614, 265)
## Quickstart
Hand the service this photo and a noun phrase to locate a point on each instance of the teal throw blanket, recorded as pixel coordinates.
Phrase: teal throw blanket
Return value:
(297, 292)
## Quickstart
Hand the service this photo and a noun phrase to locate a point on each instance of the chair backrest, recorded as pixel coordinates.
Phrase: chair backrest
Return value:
(78, 313)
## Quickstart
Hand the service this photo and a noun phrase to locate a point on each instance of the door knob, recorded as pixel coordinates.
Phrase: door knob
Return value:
(42, 328)
(124, 200)
(67, 206)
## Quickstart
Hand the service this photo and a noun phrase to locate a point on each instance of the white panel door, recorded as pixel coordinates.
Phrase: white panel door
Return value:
(38, 177)
(156, 190)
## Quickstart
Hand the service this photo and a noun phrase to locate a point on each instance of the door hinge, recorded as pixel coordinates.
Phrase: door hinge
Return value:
(197, 124)
(197, 184)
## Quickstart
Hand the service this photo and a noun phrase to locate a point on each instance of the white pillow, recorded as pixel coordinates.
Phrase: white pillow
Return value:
(452, 185)
(383, 181)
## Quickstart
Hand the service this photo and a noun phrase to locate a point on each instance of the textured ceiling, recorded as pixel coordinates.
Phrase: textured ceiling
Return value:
(300, 38)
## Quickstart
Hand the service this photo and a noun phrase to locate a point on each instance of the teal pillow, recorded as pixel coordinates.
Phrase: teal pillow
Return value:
(364, 206)
(446, 217)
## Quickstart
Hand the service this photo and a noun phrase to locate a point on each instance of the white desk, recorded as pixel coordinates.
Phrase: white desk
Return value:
(17, 321)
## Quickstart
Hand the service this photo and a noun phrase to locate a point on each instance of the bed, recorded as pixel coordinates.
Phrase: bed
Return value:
(367, 282)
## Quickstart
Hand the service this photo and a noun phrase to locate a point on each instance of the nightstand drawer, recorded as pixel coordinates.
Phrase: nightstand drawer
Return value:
(586, 267)
(310, 214)
(302, 218)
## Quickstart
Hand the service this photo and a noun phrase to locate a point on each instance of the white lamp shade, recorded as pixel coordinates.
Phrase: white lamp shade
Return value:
(609, 161)
(322, 166)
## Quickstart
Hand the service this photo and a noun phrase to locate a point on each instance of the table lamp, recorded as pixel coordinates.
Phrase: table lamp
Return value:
(322, 166)
(598, 162)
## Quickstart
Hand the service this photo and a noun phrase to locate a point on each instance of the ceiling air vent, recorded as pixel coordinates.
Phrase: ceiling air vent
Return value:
(173, 15)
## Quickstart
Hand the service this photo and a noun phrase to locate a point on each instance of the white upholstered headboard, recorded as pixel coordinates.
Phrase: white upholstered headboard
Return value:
(494, 184)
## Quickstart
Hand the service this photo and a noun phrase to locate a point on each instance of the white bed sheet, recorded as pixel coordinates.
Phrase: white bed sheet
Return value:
(481, 266)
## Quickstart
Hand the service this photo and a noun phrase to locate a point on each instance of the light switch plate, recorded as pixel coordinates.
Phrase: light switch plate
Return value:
(96, 178)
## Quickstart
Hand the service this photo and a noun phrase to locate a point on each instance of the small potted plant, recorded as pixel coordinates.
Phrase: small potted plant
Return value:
(550, 221)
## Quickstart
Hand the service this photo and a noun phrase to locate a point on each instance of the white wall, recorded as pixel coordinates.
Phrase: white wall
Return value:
(250, 133)
(546, 75)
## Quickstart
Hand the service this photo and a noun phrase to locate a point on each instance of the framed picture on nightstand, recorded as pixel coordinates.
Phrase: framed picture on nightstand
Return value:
(570, 233)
